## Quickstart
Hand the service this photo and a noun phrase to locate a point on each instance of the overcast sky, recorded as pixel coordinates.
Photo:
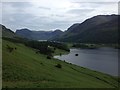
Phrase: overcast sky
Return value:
(52, 14)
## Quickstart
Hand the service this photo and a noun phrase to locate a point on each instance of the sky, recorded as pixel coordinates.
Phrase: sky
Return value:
(49, 15)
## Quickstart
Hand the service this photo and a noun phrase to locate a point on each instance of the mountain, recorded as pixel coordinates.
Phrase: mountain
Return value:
(7, 32)
(55, 34)
(38, 35)
(98, 29)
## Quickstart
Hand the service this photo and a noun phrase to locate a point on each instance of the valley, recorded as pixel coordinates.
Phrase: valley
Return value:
(28, 56)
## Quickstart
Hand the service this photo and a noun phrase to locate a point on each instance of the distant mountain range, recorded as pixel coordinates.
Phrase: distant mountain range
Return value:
(38, 35)
(98, 29)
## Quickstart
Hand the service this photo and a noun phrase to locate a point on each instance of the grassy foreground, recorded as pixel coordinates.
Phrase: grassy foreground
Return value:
(23, 68)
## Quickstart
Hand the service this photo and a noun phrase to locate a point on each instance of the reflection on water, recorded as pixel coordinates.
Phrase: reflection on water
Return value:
(102, 59)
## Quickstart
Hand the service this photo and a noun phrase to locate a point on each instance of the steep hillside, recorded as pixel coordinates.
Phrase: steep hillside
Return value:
(7, 32)
(98, 29)
(38, 35)
(24, 68)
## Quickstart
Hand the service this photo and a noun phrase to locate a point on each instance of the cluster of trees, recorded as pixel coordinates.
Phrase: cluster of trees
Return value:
(58, 45)
(43, 47)
(46, 47)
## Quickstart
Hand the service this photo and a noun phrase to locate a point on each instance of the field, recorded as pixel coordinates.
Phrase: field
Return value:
(24, 68)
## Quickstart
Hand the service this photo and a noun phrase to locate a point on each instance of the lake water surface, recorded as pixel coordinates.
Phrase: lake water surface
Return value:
(102, 59)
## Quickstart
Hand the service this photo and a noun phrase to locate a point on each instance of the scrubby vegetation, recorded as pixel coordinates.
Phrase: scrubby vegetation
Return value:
(10, 49)
(49, 57)
(58, 66)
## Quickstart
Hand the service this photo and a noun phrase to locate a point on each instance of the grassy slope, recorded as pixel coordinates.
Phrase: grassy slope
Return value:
(24, 68)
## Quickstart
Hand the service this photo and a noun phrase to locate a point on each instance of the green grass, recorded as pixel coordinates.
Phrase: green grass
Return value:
(23, 68)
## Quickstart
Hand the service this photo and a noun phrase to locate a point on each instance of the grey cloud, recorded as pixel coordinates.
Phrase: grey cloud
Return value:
(15, 7)
(36, 23)
(55, 25)
(18, 4)
(94, 4)
(80, 11)
(21, 19)
(46, 8)
(17, 20)
(57, 15)
(52, 24)
(104, 3)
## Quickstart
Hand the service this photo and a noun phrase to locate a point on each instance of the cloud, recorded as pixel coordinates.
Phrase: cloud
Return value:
(19, 4)
(46, 8)
(64, 0)
(80, 11)
(52, 14)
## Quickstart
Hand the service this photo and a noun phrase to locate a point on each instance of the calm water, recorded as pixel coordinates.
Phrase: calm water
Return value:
(102, 59)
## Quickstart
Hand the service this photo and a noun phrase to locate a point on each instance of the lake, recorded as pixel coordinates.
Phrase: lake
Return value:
(103, 59)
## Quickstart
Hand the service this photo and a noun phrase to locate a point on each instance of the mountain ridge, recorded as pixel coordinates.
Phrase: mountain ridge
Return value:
(98, 29)
(38, 35)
